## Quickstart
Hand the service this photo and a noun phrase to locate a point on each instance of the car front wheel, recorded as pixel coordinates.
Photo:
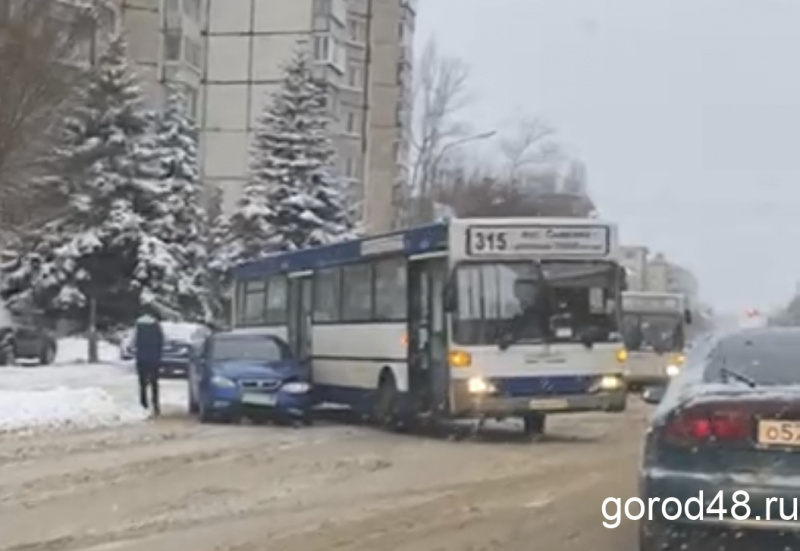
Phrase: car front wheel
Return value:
(47, 356)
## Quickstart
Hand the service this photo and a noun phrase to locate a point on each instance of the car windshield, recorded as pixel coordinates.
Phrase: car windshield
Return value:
(261, 349)
(656, 332)
(766, 359)
(491, 297)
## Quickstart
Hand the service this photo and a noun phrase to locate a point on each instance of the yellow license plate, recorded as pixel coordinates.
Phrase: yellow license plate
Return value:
(779, 433)
(548, 404)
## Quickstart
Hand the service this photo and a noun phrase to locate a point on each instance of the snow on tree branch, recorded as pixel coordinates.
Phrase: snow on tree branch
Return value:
(294, 198)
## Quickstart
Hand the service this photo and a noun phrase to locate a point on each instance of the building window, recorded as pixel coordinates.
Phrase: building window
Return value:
(194, 53)
(351, 123)
(357, 31)
(327, 293)
(192, 8)
(357, 292)
(172, 6)
(390, 290)
(172, 45)
(192, 101)
(322, 48)
(339, 11)
(350, 168)
(355, 76)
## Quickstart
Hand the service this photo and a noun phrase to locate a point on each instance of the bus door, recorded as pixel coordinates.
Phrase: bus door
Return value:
(299, 313)
(428, 375)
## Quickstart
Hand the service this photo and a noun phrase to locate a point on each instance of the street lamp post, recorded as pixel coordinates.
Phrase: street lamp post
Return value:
(438, 159)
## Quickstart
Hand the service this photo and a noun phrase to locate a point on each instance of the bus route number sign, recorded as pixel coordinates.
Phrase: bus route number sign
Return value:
(482, 241)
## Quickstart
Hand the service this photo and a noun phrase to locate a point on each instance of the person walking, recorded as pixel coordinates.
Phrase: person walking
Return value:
(149, 345)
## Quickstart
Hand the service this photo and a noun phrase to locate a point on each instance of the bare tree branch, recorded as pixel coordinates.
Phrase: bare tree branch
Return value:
(440, 94)
(531, 146)
(39, 41)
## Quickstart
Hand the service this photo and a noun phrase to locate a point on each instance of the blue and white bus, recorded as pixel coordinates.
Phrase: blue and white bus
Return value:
(471, 318)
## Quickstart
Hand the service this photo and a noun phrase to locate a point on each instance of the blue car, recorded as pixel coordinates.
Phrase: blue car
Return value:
(252, 375)
(725, 438)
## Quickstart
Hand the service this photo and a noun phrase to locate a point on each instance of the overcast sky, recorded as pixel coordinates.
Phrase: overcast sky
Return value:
(686, 112)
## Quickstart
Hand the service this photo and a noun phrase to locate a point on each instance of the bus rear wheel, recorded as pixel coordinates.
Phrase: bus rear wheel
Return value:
(385, 411)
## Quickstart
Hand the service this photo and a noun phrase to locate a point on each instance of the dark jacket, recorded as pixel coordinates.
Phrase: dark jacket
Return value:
(149, 342)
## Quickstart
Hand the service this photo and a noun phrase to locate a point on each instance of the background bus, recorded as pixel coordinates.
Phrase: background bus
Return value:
(654, 327)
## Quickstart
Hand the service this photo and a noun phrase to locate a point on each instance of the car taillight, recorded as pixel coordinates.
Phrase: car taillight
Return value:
(695, 426)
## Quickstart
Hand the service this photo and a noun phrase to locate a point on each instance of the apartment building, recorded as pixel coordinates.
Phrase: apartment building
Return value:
(227, 55)
(360, 50)
(167, 45)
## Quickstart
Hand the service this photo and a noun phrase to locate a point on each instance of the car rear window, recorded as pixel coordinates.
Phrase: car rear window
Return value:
(248, 348)
(765, 358)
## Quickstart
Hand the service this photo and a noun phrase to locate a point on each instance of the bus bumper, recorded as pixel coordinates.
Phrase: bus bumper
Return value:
(466, 404)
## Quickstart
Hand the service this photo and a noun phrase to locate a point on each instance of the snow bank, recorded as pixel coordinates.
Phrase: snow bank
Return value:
(63, 407)
(75, 350)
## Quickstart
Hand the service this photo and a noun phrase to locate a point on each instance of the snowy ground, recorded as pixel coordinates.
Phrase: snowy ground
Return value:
(176, 484)
(120, 482)
(73, 393)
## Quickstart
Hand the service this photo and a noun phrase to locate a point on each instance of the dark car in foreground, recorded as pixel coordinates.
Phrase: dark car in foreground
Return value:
(728, 423)
(249, 374)
(27, 342)
(182, 344)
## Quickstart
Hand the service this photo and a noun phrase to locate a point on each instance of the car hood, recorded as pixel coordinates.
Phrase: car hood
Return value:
(249, 369)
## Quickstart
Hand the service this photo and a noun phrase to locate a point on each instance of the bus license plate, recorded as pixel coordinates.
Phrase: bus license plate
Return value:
(260, 399)
(548, 404)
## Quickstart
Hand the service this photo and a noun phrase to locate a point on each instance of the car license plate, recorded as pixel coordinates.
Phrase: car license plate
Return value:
(548, 404)
(779, 433)
(260, 399)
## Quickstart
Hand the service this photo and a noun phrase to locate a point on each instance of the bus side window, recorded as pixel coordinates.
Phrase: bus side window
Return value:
(327, 293)
(390, 290)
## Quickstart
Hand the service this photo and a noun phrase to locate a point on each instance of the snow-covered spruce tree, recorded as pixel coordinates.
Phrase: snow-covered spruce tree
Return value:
(293, 199)
(103, 246)
(222, 254)
(182, 221)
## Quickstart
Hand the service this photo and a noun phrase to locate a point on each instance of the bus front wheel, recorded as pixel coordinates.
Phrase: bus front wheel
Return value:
(534, 424)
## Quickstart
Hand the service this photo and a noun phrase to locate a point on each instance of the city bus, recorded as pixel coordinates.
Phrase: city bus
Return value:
(654, 330)
(466, 319)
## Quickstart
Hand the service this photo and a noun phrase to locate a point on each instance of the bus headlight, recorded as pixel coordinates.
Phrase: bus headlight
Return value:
(673, 370)
(622, 355)
(459, 358)
(479, 385)
(610, 382)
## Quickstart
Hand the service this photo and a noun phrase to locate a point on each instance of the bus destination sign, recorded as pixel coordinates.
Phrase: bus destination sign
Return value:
(643, 303)
(573, 241)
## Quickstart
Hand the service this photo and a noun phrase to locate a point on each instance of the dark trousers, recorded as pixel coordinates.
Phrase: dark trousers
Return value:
(148, 380)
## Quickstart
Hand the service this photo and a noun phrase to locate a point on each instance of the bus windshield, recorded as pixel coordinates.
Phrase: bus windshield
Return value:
(487, 303)
(586, 296)
(661, 332)
(490, 302)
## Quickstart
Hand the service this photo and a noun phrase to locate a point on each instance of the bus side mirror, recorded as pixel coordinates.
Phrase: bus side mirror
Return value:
(687, 314)
(449, 298)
